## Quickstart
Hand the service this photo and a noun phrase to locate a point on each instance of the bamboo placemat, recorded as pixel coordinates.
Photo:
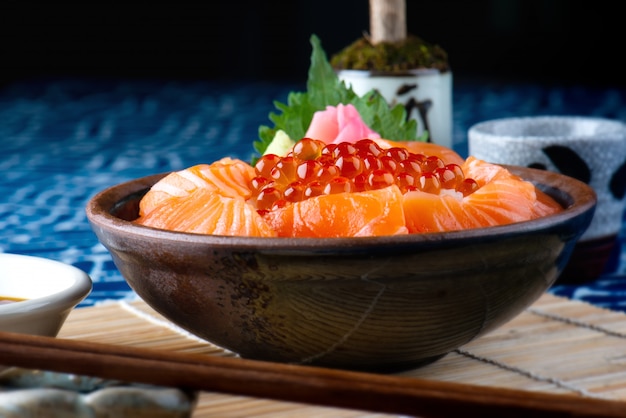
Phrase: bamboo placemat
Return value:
(557, 345)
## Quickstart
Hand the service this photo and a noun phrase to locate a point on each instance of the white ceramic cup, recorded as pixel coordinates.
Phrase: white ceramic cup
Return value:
(591, 149)
(426, 95)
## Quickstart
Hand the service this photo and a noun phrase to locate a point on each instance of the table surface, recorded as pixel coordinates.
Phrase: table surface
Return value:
(63, 140)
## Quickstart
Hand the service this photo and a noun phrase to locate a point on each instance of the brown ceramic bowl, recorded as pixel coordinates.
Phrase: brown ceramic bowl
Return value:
(376, 304)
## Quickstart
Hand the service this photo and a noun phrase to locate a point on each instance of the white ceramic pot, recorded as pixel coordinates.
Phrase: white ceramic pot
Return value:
(426, 94)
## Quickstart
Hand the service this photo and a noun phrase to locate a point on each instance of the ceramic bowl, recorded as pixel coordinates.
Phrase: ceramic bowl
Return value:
(47, 289)
(371, 303)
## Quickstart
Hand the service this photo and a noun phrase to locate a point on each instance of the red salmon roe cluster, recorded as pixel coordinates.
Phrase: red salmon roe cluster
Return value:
(313, 168)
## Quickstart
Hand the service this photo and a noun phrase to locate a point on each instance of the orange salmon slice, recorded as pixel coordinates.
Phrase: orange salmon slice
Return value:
(503, 198)
(205, 212)
(228, 177)
(375, 212)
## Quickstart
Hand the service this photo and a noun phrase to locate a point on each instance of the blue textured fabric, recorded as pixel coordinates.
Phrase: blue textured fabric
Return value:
(61, 141)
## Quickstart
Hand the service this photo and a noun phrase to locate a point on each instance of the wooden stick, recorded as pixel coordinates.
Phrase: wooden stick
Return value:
(313, 385)
(387, 20)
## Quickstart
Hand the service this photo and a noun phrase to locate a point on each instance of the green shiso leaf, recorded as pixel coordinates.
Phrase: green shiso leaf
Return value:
(325, 89)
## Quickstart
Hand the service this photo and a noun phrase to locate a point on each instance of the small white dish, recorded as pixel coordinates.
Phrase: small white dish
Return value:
(48, 290)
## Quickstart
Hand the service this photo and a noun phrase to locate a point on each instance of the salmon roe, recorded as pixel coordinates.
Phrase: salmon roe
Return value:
(313, 168)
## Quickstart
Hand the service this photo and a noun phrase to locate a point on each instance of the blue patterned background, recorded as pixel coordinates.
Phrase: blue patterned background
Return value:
(63, 140)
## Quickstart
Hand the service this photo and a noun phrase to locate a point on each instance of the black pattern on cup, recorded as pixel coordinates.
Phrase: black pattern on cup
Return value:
(567, 161)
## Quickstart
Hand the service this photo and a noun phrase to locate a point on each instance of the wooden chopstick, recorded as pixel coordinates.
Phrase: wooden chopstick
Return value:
(305, 384)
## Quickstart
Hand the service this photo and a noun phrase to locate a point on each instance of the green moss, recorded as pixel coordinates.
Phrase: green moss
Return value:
(409, 54)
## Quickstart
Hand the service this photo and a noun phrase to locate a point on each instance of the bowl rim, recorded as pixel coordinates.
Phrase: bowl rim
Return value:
(57, 301)
(583, 199)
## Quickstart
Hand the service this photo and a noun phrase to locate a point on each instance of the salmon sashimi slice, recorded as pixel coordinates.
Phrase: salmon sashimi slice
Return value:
(228, 177)
(484, 173)
(498, 203)
(203, 211)
(502, 198)
(545, 205)
(368, 213)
